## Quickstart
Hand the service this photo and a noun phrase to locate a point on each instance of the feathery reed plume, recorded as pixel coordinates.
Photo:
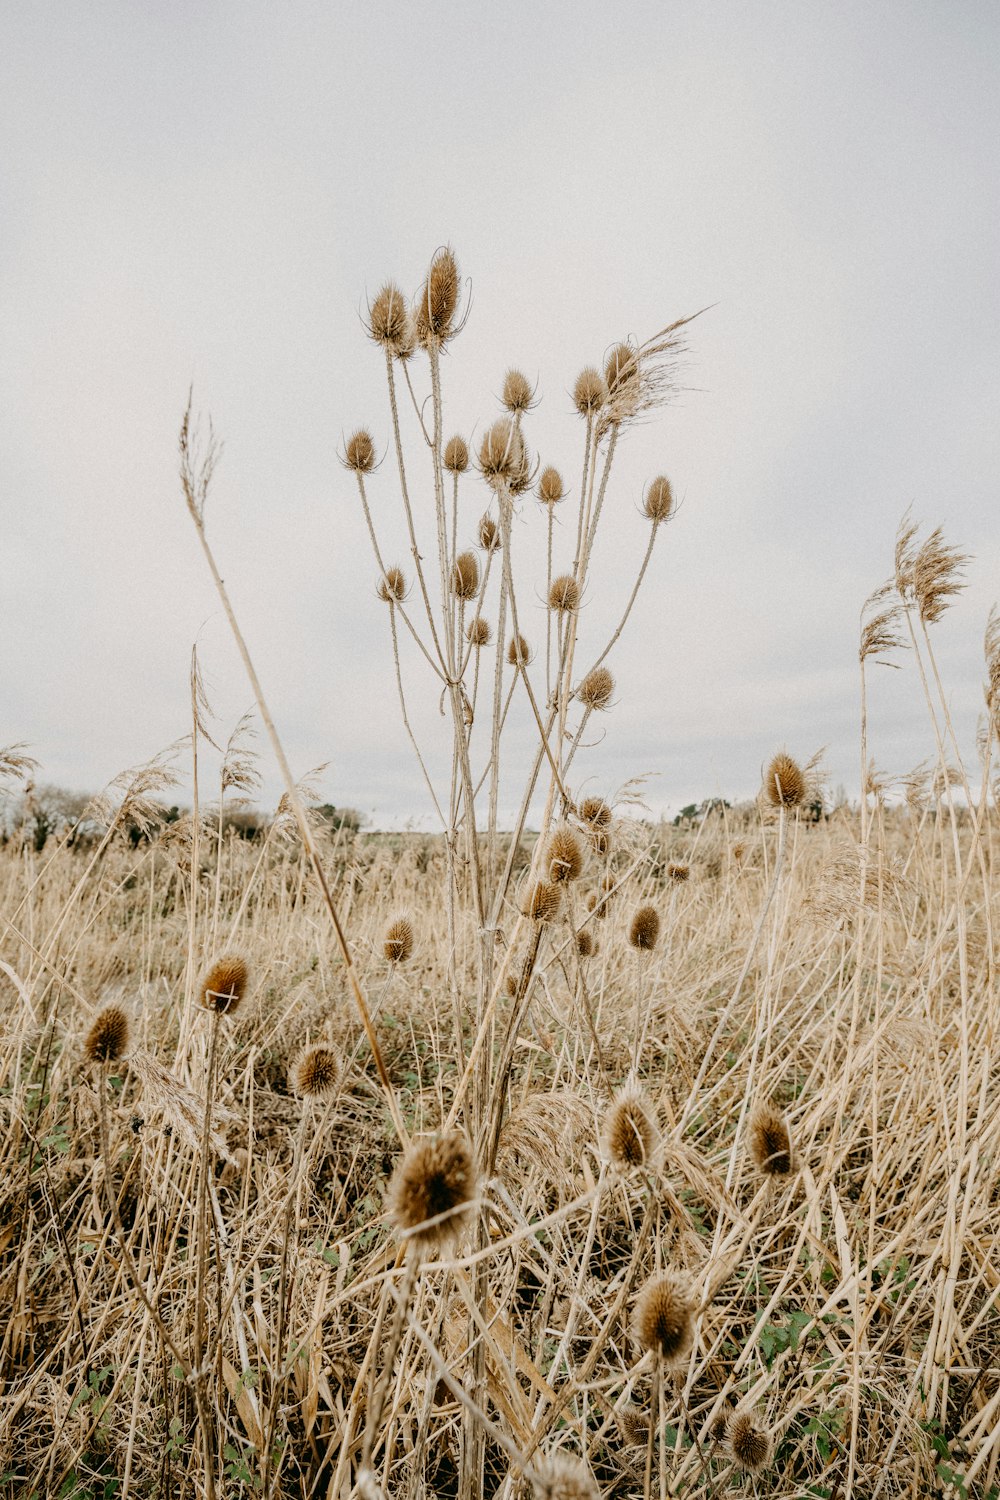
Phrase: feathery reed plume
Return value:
(456, 455)
(991, 651)
(784, 782)
(565, 855)
(437, 303)
(770, 1142)
(645, 929)
(435, 1181)
(659, 501)
(751, 1446)
(518, 394)
(518, 652)
(392, 586)
(929, 575)
(389, 322)
(107, 1039)
(15, 763)
(317, 1072)
(541, 901)
(590, 391)
(596, 688)
(359, 452)
(564, 595)
(629, 1135)
(585, 945)
(678, 873)
(663, 1319)
(224, 986)
(397, 945)
(478, 631)
(503, 457)
(550, 487)
(489, 533)
(561, 1477)
(595, 811)
(465, 577)
(880, 631)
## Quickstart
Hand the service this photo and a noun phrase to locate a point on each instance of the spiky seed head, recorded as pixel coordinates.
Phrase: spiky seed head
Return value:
(392, 586)
(465, 576)
(565, 855)
(478, 631)
(718, 1431)
(541, 901)
(489, 533)
(456, 455)
(663, 1320)
(609, 886)
(502, 455)
(629, 1136)
(784, 783)
(436, 1176)
(225, 985)
(585, 945)
(518, 652)
(317, 1072)
(751, 1446)
(678, 873)
(550, 487)
(107, 1039)
(564, 594)
(633, 1424)
(562, 1477)
(659, 501)
(389, 322)
(770, 1142)
(596, 688)
(517, 391)
(510, 984)
(590, 391)
(645, 929)
(739, 852)
(437, 302)
(595, 811)
(359, 451)
(600, 841)
(596, 906)
(397, 944)
(621, 369)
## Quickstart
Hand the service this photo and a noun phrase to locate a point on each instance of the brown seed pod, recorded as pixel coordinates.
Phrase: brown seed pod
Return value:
(225, 985)
(770, 1142)
(489, 533)
(107, 1039)
(397, 945)
(359, 451)
(518, 652)
(659, 501)
(503, 459)
(541, 901)
(510, 984)
(456, 455)
(436, 304)
(565, 855)
(317, 1072)
(621, 371)
(518, 394)
(389, 322)
(596, 688)
(633, 1424)
(435, 1177)
(750, 1445)
(784, 783)
(564, 594)
(562, 1477)
(585, 945)
(595, 811)
(678, 873)
(392, 587)
(663, 1320)
(629, 1136)
(550, 487)
(718, 1431)
(590, 391)
(645, 929)
(465, 576)
(478, 631)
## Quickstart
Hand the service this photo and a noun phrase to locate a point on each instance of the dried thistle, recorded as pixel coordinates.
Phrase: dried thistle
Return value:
(678, 873)
(317, 1072)
(590, 391)
(489, 533)
(389, 322)
(392, 586)
(663, 1320)
(751, 1446)
(550, 487)
(659, 501)
(585, 944)
(564, 594)
(397, 945)
(436, 1180)
(770, 1142)
(565, 855)
(224, 986)
(596, 688)
(359, 451)
(503, 457)
(561, 1477)
(784, 782)
(645, 929)
(107, 1039)
(436, 304)
(633, 1424)
(621, 369)
(465, 576)
(478, 631)
(629, 1135)
(541, 901)
(518, 652)
(518, 394)
(595, 811)
(456, 455)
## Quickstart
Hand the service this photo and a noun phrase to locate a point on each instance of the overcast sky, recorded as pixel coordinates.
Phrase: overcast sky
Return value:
(209, 192)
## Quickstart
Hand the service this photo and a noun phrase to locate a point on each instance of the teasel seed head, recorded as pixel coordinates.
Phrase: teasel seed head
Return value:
(456, 455)
(659, 501)
(510, 985)
(225, 985)
(585, 944)
(359, 451)
(541, 901)
(562, 1477)
(397, 944)
(565, 855)
(436, 1176)
(633, 1424)
(718, 1430)
(600, 841)
(784, 783)
(107, 1039)
(389, 321)
(392, 586)
(465, 576)
(595, 811)
(751, 1446)
(621, 369)
(590, 391)
(596, 688)
(503, 459)
(564, 594)
(550, 487)
(436, 304)
(478, 631)
(518, 652)
(518, 394)
(629, 1136)
(645, 929)
(317, 1072)
(770, 1142)
(663, 1320)
(597, 906)
(678, 873)
(489, 533)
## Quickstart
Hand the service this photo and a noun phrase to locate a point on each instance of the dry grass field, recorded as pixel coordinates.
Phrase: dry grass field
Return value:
(618, 1159)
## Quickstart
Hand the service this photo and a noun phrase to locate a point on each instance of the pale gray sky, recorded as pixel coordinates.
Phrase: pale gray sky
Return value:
(207, 193)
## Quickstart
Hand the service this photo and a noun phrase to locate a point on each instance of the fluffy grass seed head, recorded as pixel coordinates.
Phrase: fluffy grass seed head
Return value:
(456, 455)
(659, 501)
(359, 451)
(107, 1039)
(518, 652)
(784, 782)
(225, 985)
(389, 321)
(565, 855)
(590, 391)
(397, 944)
(663, 1319)
(436, 1177)
(518, 393)
(317, 1071)
(489, 533)
(436, 303)
(465, 576)
(478, 631)
(541, 901)
(751, 1445)
(550, 487)
(392, 586)
(564, 594)
(629, 1135)
(645, 929)
(560, 1476)
(596, 688)
(770, 1142)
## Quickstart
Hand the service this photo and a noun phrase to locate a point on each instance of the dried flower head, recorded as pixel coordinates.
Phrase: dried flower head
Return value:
(437, 302)
(392, 586)
(590, 391)
(751, 1446)
(562, 1477)
(518, 652)
(784, 782)
(629, 1136)
(397, 945)
(359, 451)
(596, 688)
(478, 631)
(659, 501)
(435, 1177)
(550, 487)
(621, 369)
(663, 1320)
(585, 944)
(678, 873)
(595, 811)
(465, 576)
(518, 394)
(389, 322)
(107, 1039)
(225, 985)
(718, 1430)
(633, 1424)
(489, 533)
(600, 841)
(564, 593)
(645, 929)
(456, 455)
(770, 1142)
(565, 854)
(541, 901)
(503, 458)
(317, 1072)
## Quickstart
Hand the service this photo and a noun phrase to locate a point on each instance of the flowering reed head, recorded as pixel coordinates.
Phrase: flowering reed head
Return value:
(565, 855)
(359, 451)
(596, 688)
(435, 1177)
(389, 322)
(317, 1072)
(550, 487)
(225, 985)
(436, 303)
(518, 393)
(645, 929)
(629, 1136)
(751, 1446)
(590, 391)
(659, 501)
(107, 1039)
(663, 1320)
(456, 455)
(770, 1142)
(784, 782)
(478, 631)
(564, 594)
(392, 586)
(465, 576)
(397, 944)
